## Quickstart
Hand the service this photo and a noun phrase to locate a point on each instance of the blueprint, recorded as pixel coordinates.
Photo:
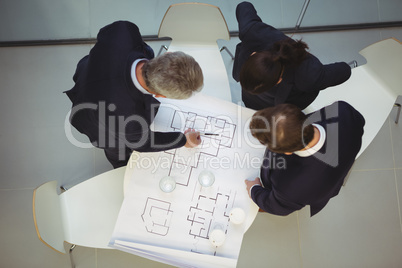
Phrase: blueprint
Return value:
(174, 227)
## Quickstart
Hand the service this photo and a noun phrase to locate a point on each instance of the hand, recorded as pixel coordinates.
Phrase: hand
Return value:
(249, 184)
(193, 138)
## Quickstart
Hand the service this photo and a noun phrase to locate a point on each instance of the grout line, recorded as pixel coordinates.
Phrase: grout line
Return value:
(378, 10)
(298, 232)
(93, 162)
(397, 199)
(395, 176)
(282, 13)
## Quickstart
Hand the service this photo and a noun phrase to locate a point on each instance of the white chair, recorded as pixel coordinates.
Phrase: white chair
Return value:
(84, 215)
(194, 29)
(372, 89)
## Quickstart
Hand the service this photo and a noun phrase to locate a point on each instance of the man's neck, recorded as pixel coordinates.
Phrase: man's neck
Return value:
(315, 139)
(314, 145)
(139, 75)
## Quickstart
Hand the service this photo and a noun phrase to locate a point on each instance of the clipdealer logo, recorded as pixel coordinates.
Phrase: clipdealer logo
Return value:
(115, 126)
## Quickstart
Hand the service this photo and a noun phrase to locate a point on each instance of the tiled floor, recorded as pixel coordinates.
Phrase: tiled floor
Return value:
(359, 228)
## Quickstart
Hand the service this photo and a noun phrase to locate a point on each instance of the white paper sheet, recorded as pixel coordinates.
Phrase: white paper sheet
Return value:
(174, 227)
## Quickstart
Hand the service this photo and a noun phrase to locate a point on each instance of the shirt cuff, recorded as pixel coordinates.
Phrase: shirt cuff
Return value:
(251, 188)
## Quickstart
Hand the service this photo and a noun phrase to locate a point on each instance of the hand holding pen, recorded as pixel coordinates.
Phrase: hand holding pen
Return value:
(193, 138)
(208, 134)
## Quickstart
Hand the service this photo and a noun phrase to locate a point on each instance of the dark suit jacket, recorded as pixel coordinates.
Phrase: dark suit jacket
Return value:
(300, 84)
(292, 182)
(107, 107)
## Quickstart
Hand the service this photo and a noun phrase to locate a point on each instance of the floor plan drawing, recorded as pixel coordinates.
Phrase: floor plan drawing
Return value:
(207, 211)
(206, 208)
(157, 216)
(158, 224)
(184, 161)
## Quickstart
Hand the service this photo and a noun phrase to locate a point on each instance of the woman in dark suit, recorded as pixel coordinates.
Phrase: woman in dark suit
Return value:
(273, 68)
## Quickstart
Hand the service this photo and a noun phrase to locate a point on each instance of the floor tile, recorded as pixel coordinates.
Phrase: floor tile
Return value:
(331, 47)
(40, 155)
(43, 20)
(22, 247)
(358, 228)
(101, 162)
(324, 12)
(228, 9)
(389, 10)
(37, 100)
(395, 32)
(291, 13)
(398, 175)
(148, 17)
(271, 241)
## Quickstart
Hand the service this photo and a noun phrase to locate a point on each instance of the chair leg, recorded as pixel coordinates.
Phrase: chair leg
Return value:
(162, 47)
(354, 63)
(398, 113)
(301, 16)
(71, 256)
(63, 189)
(228, 51)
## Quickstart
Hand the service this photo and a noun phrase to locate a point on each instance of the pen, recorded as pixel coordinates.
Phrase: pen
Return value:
(208, 134)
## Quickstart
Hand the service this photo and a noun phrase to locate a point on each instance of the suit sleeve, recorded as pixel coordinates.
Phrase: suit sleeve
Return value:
(122, 35)
(271, 202)
(246, 16)
(318, 76)
(358, 118)
(151, 141)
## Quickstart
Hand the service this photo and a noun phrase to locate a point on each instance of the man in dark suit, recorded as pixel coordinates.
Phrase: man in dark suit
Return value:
(115, 88)
(307, 156)
(273, 68)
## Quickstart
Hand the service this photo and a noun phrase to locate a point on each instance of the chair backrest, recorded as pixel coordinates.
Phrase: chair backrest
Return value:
(195, 23)
(194, 29)
(372, 89)
(83, 215)
(48, 216)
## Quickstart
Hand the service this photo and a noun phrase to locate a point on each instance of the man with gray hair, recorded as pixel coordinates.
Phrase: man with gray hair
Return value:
(115, 88)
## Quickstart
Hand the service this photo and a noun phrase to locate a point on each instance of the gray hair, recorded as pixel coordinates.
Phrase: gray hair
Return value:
(175, 75)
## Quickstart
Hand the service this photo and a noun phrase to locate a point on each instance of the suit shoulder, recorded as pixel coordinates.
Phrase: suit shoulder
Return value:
(346, 110)
(119, 28)
(344, 106)
(119, 24)
(245, 5)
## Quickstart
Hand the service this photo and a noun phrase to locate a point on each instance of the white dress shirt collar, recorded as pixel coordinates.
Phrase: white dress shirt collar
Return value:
(315, 148)
(134, 77)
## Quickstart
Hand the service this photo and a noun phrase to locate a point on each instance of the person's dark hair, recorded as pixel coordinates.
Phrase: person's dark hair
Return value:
(263, 69)
(283, 128)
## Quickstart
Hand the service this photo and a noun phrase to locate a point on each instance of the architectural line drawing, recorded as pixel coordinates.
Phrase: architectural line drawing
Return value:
(184, 163)
(206, 208)
(156, 216)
